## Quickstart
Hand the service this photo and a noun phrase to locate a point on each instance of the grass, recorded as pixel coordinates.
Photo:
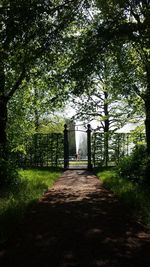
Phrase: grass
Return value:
(136, 197)
(15, 200)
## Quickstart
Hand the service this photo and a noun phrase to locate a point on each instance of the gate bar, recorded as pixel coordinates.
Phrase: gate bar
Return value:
(89, 146)
(66, 148)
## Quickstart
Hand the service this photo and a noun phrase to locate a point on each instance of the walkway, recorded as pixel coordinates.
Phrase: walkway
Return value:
(78, 223)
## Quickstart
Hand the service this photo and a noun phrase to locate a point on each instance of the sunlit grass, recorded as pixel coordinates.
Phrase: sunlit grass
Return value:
(81, 162)
(135, 196)
(38, 180)
(15, 199)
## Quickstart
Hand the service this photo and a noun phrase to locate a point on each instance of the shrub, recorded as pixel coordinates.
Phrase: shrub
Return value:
(134, 167)
(8, 173)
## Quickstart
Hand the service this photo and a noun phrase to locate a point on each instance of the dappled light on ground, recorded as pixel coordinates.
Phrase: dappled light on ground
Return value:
(78, 223)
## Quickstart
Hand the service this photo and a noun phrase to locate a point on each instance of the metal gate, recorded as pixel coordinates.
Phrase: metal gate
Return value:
(76, 161)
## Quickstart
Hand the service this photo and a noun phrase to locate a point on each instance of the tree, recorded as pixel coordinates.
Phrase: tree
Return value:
(30, 32)
(31, 111)
(100, 102)
(124, 28)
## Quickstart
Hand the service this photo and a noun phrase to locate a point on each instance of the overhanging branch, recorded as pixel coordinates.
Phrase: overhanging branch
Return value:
(17, 84)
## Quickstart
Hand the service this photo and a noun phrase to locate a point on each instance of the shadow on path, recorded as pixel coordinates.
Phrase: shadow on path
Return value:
(78, 223)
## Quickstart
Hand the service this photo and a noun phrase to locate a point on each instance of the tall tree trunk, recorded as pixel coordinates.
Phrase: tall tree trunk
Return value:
(147, 128)
(3, 112)
(147, 109)
(106, 129)
(147, 122)
(106, 157)
(3, 125)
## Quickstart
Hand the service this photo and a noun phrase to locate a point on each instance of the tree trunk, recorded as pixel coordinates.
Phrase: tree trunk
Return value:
(147, 129)
(106, 129)
(147, 109)
(106, 157)
(3, 125)
(147, 122)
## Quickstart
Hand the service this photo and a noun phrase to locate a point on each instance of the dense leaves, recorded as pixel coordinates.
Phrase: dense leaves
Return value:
(134, 167)
(30, 33)
(121, 28)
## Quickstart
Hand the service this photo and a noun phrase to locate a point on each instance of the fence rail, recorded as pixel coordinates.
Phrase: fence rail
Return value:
(42, 150)
(108, 149)
(47, 150)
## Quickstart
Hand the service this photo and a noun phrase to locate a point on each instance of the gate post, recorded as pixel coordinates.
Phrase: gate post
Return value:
(66, 148)
(89, 146)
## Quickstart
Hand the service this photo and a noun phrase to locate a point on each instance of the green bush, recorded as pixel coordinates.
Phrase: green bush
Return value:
(135, 166)
(8, 173)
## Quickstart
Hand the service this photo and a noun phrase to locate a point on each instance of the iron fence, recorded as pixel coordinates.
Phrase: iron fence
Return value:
(47, 150)
(109, 148)
(42, 150)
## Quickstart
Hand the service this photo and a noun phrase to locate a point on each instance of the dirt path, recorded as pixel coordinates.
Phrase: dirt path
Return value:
(78, 224)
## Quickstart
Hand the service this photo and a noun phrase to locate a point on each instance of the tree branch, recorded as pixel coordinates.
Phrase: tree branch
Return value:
(17, 84)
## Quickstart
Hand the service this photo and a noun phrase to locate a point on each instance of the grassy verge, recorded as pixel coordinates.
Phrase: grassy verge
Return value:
(135, 196)
(16, 199)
